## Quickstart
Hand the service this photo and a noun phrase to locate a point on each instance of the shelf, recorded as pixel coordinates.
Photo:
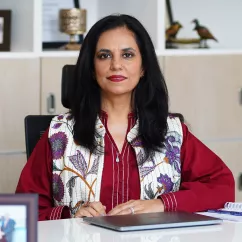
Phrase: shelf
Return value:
(197, 52)
(27, 25)
(58, 53)
(18, 55)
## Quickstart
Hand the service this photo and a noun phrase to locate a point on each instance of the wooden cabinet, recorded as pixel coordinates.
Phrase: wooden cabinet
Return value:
(206, 90)
(51, 73)
(11, 166)
(19, 97)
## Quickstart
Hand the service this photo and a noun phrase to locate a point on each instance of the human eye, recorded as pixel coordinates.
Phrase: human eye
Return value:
(103, 56)
(128, 55)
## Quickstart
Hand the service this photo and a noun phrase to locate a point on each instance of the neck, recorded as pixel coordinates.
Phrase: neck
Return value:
(116, 106)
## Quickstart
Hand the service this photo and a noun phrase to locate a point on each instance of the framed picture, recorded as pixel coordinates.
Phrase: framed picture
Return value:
(169, 13)
(5, 30)
(18, 217)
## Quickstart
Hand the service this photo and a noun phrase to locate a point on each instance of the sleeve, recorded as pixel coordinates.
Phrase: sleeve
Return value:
(206, 182)
(36, 177)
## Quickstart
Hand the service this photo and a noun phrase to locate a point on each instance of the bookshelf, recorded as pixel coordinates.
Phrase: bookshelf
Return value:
(27, 19)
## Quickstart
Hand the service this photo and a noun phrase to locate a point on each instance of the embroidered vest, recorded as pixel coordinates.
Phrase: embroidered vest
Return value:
(77, 172)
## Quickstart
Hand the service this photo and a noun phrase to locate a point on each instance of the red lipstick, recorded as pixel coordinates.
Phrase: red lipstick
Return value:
(116, 78)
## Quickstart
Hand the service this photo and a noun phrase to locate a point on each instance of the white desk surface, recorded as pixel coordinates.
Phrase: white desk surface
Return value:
(75, 230)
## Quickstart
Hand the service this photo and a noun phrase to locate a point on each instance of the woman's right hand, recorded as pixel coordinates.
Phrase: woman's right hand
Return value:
(91, 209)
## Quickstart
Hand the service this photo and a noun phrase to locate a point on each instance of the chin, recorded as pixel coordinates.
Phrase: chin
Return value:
(119, 92)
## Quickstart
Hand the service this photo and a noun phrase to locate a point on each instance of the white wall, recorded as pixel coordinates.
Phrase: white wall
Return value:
(145, 11)
(21, 23)
(222, 17)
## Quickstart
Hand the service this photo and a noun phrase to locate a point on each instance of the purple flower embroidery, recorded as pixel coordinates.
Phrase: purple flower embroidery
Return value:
(56, 125)
(58, 144)
(79, 163)
(166, 182)
(69, 117)
(58, 188)
(172, 145)
(144, 171)
(94, 168)
(60, 117)
(136, 142)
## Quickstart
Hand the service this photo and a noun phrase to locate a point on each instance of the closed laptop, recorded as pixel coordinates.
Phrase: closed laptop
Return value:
(152, 221)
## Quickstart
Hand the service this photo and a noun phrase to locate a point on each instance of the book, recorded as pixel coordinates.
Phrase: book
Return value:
(231, 211)
(230, 208)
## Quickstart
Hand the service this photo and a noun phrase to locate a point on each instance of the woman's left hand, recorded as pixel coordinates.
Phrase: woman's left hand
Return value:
(138, 206)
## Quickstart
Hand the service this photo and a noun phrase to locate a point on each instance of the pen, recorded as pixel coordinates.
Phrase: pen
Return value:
(235, 213)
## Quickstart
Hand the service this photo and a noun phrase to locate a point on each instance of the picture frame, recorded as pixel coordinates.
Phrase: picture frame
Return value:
(169, 13)
(5, 30)
(19, 216)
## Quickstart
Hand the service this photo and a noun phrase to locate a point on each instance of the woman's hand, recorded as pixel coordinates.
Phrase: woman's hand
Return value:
(91, 209)
(138, 206)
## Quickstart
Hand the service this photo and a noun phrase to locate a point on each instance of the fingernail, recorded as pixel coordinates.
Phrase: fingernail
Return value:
(102, 214)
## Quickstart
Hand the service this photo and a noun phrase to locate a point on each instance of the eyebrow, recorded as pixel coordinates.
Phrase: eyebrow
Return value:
(125, 49)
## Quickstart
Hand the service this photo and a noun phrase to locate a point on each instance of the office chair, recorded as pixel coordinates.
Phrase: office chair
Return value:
(36, 125)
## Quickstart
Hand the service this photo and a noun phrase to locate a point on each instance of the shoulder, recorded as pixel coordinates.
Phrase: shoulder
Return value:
(63, 118)
(174, 124)
(61, 123)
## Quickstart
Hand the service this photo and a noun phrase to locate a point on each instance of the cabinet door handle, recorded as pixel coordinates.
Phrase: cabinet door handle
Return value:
(240, 96)
(51, 103)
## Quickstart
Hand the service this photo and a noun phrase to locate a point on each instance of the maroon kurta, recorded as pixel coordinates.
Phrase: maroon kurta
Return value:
(206, 182)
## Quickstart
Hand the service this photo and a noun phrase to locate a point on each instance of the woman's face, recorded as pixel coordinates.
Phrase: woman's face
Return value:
(117, 62)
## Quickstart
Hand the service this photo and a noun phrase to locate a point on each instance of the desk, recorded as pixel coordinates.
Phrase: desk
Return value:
(75, 230)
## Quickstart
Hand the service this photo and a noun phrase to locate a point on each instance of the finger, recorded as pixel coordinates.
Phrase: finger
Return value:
(98, 207)
(125, 212)
(124, 206)
(83, 212)
(93, 212)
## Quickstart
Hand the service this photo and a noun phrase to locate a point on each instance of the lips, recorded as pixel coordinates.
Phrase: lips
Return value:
(116, 78)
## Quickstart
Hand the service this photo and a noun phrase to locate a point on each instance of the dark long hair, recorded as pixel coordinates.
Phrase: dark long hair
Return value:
(150, 95)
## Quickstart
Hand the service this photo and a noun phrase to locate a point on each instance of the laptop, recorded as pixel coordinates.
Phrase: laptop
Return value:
(147, 221)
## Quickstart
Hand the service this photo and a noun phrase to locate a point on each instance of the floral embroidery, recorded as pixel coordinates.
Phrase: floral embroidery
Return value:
(94, 168)
(136, 142)
(145, 170)
(58, 144)
(172, 145)
(56, 125)
(71, 184)
(166, 182)
(55, 168)
(58, 188)
(149, 192)
(69, 117)
(140, 158)
(79, 162)
(60, 117)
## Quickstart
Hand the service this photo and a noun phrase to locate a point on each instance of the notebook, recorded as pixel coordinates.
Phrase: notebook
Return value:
(147, 221)
(231, 211)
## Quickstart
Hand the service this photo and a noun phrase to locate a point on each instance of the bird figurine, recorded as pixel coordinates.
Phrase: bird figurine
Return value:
(172, 31)
(204, 33)
(171, 34)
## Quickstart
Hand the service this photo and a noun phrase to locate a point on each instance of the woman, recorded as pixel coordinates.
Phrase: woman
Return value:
(118, 151)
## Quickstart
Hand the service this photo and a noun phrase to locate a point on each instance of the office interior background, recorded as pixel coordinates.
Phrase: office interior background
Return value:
(205, 85)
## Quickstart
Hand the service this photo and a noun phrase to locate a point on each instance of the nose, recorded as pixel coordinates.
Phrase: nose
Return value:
(116, 64)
